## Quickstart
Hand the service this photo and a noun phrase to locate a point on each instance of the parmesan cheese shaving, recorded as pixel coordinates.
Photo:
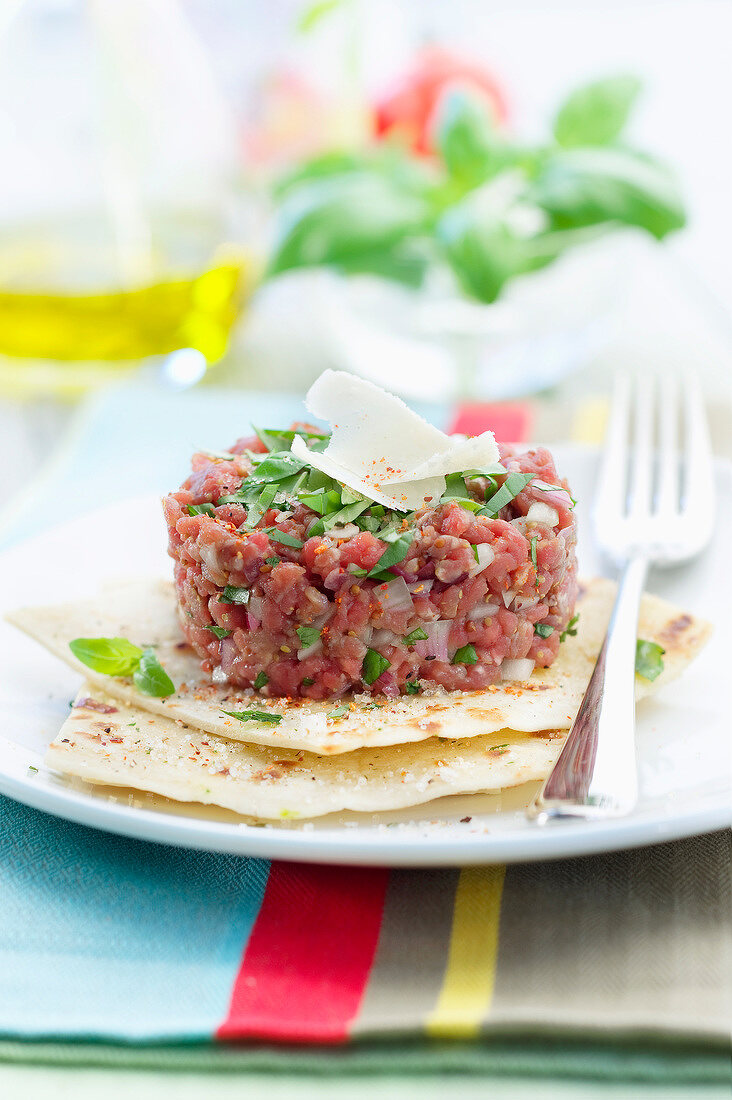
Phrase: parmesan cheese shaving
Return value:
(381, 448)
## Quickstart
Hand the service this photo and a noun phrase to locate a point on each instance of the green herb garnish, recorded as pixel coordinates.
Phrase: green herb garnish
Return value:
(234, 594)
(570, 629)
(648, 659)
(273, 561)
(373, 666)
(533, 543)
(411, 687)
(261, 681)
(466, 655)
(307, 681)
(278, 465)
(418, 635)
(200, 510)
(110, 656)
(394, 553)
(151, 678)
(219, 631)
(340, 711)
(308, 635)
(255, 716)
(281, 536)
(511, 488)
(543, 629)
(258, 507)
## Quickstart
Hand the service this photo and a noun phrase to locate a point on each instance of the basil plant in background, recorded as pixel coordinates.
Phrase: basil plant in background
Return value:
(485, 206)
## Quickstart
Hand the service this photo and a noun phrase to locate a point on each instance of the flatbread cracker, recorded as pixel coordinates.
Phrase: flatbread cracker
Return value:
(145, 612)
(104, 741)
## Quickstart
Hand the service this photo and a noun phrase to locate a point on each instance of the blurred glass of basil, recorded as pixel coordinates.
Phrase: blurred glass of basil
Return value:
(486, 206)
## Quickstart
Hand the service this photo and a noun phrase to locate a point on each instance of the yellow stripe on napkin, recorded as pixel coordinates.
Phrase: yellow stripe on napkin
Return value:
(467, 988)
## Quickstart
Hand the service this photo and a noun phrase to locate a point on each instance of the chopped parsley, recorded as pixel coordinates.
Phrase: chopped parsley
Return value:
(261, 681)
(219, 631)
(570, 629)
(255, 716)
(374, 665)
(543, 629)
(308, 635)
(648, 659)
(466, 655)
(233, 594)
(418, 635)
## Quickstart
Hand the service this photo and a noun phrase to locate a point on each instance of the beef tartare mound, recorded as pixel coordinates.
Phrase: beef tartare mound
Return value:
(293, 584)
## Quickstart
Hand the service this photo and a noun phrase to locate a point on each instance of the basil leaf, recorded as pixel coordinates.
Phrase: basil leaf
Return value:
(532, 542)
(373, 666)
(467, 139)
(350, 496)
(261, 681)
(466, 655)
(273, 561)
(570, 629)
(308, 635)
(543, 629)
(219, 631)
(411, 687)
(368, 523)
(581, 187)
(277, 465)
(232, 594)
(307, 681)
(275, 439)
(323, 501)
(356, 570)
(394, 553)
(200, 510)
(110, 656)
(255, 716)
(418, 635)
(151, 678)
(340, 711)
(345, 515)
(281, 536)
(596, 113)
(511, 488)
(648, 659)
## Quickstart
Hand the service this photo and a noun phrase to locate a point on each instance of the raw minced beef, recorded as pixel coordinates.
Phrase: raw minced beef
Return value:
(446, 587)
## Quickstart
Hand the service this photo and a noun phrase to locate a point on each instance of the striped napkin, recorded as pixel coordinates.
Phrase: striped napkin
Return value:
(122, 952)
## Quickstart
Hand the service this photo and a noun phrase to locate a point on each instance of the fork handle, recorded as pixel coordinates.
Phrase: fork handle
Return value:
(595, 775)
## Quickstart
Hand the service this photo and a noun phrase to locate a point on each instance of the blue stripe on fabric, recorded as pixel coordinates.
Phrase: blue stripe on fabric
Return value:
(102, 936)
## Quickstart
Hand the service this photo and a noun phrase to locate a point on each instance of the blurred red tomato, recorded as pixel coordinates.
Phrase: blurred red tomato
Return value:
(409, 108)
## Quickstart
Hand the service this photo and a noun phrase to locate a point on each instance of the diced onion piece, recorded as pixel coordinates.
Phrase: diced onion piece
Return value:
(486, 556)
(384, 637)
(539, 512)
(255, 607)
(437, 638)
(508, 597)
(394, 595)
(519, 668)
(420, 588)
(483, 611)
(522, 602)
(311, 651)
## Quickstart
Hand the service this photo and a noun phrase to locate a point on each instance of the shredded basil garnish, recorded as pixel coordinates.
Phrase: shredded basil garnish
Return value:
(307, 681)
(570, 629)
(255, 716)
(281, 536)
(543, 629)
(648, 659)
(411, 687)
(466, 655)
(219, 631)
(308, 635)
(340, 711)
(261, 681)
(373, 666)
(418, 635)
(394, 553)
(511, 488)
(533, 543)
(201, 510)
(273, 561)
(278, 465)
(233, 594)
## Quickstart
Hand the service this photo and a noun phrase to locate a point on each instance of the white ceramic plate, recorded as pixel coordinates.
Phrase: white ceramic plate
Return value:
(683, 737)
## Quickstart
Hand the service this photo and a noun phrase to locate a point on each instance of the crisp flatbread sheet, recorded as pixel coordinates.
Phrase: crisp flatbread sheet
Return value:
(106, 741)
(145, 613)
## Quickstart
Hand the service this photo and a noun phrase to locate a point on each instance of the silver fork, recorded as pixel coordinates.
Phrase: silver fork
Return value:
(654, 506)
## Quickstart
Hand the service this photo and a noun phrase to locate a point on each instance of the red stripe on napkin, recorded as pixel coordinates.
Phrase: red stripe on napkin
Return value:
(309, 956)
(509, 423)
